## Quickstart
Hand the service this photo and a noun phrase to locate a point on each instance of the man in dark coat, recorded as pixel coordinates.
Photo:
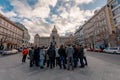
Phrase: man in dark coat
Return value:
(81, 56)
(62, 54)
(36, 56)
(75, 56)
(51, 53)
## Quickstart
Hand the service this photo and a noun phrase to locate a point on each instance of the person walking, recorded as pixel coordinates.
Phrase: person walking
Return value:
(52, 54)
(62, 54)
(42, 57)
(31, 56)
(24, 52)
(70, 52)
(81, 56)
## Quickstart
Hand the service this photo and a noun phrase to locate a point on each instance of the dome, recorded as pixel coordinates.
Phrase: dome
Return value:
(37, 35)
(54, 29)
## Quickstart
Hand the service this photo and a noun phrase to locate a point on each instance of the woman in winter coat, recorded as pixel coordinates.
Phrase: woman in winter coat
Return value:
(24, 52)
(42, 57)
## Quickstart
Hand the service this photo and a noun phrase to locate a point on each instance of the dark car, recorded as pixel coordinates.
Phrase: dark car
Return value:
(1, 51)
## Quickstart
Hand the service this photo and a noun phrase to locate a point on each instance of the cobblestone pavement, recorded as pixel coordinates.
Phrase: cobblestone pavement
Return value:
(11, 68)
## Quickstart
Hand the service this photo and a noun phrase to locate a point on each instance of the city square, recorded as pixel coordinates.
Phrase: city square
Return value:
(59, 40)
(101, 67)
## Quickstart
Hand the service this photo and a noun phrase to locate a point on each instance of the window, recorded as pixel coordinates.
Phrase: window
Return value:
(116, 11)
(3, 22)
(0, 29)
(113, 48)
(117, 20)
(118, 38)
(0, 20)
(114, 4)
(118, 1)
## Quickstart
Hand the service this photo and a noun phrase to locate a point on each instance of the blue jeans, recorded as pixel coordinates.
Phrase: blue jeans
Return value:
(42, 62)
(62, 62)
(75, 61)
(52, 62)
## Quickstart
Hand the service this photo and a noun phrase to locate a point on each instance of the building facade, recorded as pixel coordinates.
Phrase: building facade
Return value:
(10, 34)
(79, 37)
(54, 38)
(114, 7)
(25, 36)
(97, 30)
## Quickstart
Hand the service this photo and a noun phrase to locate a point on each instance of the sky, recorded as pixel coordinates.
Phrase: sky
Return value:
(40, 16)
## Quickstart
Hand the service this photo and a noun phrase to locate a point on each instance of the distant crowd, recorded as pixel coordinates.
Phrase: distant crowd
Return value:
(66, 57)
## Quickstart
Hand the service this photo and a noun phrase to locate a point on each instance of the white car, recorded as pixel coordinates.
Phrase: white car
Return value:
(112, 50)
(13, 51)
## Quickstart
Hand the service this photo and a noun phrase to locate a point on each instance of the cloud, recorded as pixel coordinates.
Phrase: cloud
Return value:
(36, 26)
(83, 1)
(10, 14)
(42, 15)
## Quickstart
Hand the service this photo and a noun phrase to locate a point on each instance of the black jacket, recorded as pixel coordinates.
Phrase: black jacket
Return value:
(81, 52)
(51, 53)
(62, 52)
(36, 53)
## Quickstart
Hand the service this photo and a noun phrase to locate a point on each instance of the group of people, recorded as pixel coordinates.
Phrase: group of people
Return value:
(66, 57)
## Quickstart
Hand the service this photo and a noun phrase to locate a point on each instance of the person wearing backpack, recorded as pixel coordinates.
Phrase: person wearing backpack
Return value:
(51, 53)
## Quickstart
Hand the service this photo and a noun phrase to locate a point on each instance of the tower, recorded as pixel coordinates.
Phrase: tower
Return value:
(54, 37)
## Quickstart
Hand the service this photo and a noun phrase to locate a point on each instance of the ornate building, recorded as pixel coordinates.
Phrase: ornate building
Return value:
(54, 38)
(12, 35)
(97, 30)
(114, 10)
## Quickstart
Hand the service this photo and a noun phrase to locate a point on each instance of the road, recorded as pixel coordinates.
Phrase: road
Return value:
(100, 67)
(111, 58)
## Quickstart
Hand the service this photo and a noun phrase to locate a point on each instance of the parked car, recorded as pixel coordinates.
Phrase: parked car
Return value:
(98, 50)
(19, 49)
(89, 49)
(13, 51)
(112, 50)
(1, 51)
